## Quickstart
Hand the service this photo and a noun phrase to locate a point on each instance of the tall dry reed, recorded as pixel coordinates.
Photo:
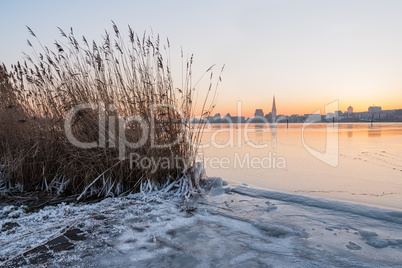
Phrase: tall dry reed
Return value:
(124, 79)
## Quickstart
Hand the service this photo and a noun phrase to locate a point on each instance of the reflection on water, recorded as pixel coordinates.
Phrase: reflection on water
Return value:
(274, 137)
(259, 129)
(260, 126)
(369, 170)
(374, 132)
(350, 130)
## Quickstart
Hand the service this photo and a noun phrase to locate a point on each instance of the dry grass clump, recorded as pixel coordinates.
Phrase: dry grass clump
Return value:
(120, 80)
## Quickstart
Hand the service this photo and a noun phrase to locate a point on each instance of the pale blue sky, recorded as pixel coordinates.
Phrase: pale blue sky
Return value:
(307, 53)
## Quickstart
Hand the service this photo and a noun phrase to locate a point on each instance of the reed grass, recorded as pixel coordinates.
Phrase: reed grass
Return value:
(133, 76)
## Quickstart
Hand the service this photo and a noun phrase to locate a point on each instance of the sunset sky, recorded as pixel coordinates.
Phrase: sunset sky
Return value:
(306, 53)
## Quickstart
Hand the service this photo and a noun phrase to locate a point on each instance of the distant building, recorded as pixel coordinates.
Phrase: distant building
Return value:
(329, 116)
(295, 118)
(259, 113)
(398, 114)
(350, 110)
(238, 119)
(227, 118)
(268, 117)
(314, 118)
(374, 109)
(361, 116)
(194, 120)
(217, 116)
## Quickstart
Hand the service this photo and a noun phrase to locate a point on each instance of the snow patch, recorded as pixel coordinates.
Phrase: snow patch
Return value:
(366, 211)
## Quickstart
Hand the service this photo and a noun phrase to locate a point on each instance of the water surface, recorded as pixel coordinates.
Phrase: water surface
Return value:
(367, 170)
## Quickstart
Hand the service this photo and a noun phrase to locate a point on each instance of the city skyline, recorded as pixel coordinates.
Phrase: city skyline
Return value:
(261, 110)
(372, 113)
(289, 106)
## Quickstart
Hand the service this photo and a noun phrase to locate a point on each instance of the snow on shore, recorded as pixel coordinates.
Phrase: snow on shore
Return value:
(231, 225)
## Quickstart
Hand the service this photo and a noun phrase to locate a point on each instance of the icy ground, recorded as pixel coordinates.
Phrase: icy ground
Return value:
(230, 226)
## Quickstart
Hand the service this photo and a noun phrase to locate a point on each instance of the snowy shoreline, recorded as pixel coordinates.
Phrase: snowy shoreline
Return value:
(229, 225)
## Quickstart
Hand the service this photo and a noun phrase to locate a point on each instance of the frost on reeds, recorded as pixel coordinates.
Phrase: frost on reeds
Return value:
(122, 79)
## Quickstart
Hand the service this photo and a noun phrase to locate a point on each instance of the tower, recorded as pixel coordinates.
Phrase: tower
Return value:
(273, 111)
(259, 113)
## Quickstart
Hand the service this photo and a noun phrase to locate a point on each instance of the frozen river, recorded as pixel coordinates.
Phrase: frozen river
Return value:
(231, 226)
(279, 220)
(353, 162)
